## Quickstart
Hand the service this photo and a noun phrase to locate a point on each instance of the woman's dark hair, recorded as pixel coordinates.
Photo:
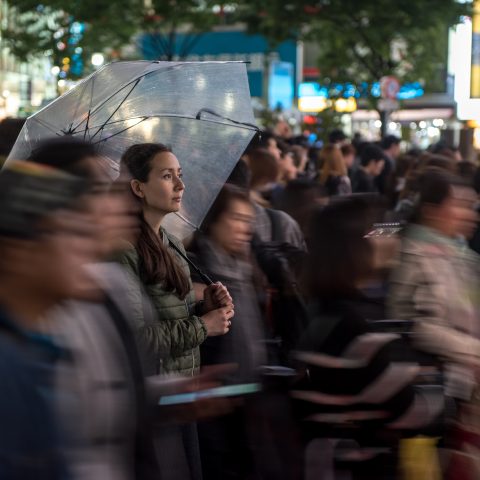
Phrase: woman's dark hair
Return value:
(157, 263)
(340, 255)
(222, 203)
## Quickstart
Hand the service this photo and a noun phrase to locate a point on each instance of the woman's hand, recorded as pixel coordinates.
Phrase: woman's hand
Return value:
(218, 321)
(216, 296)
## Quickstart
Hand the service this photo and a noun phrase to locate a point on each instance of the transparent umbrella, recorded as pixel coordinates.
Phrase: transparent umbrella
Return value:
(202, 110)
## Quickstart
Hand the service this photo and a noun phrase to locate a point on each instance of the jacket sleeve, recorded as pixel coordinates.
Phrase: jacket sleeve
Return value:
(416, 294)
(159, 339)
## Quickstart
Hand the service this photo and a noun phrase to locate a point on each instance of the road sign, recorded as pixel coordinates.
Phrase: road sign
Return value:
(389, 86)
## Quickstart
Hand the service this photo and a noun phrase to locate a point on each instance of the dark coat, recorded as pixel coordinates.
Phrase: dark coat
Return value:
(362, 182)
(29, 438)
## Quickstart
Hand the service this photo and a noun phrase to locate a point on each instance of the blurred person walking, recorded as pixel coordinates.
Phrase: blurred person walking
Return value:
(333, 175)
(354, 377)
(170, 344)
(436, 286)
(103, 408)
(223, 252)
(44, 248)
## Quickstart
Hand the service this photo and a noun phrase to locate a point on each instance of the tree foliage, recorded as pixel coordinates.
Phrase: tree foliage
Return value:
(364, 40)
(108, 26)
(359, 40)
(58, 28)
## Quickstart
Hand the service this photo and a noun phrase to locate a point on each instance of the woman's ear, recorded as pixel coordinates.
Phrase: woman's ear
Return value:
(136, 187)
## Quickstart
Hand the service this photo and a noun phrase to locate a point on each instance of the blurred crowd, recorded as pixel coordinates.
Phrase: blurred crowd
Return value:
(323, 323)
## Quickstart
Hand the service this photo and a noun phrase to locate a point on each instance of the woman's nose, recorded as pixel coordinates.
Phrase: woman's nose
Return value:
(179, 185)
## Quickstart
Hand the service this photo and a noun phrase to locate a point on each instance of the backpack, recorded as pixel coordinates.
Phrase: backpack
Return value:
(285, 311)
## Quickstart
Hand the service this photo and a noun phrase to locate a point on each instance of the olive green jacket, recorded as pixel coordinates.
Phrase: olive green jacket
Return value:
(169, 336)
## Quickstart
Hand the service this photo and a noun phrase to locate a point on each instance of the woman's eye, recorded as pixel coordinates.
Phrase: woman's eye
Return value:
(180, 175)
(168, 176)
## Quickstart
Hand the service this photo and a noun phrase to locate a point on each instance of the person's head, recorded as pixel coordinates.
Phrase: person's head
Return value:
(264, 169)
(300, 157)
(229, 222)
(372, 159)
(428, 160)
(110, 205)
(68, 153)
(446, 150)
(267, 141)
(341, 257)
(391, 145)
(337, 136)
(45, 238)
(299, 198)
(283, 129)
(156, 183)
(332, 162)
(348, 152)
(288, 170)
(156, 177)
(240, 176)
(446, 203)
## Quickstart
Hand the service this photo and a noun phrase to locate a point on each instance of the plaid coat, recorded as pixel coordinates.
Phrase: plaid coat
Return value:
(436, 285)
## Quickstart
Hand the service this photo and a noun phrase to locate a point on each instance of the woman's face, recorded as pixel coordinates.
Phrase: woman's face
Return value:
(233, 230)
(163, 190)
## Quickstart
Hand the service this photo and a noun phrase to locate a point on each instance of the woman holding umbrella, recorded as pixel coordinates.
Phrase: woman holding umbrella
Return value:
(170, 345)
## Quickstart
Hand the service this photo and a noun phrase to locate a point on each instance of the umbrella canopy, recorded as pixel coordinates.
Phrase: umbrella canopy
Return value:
(202, 110)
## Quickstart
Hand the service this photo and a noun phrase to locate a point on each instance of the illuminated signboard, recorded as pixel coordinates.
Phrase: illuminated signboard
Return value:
(460, 59)
(363, 90)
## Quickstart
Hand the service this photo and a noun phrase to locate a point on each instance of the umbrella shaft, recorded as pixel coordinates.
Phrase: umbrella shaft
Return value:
(205, 278)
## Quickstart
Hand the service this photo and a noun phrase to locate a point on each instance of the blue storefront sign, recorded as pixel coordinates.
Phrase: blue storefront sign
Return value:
(238, 46)
(363, 90)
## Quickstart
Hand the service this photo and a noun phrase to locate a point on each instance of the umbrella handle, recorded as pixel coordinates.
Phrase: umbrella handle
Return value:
(205, 278)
